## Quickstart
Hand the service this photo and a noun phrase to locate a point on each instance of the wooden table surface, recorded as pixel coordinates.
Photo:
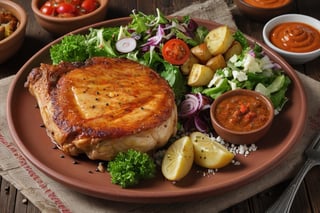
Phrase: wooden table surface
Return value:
(308, 197)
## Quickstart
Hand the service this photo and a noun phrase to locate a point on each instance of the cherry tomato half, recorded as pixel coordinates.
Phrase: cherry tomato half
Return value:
(65, 8)
(48, 9)
(89, 5)
(175, 51)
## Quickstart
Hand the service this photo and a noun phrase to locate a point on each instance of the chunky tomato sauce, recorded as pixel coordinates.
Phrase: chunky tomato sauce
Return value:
(295, 37)
(242, 113)
(268, 3)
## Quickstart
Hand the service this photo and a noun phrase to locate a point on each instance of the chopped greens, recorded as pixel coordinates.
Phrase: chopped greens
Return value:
(71, 48)
(238, 36)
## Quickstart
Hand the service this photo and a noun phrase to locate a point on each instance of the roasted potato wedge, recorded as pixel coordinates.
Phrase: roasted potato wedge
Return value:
(201, 52)
(216, 62)
(219, 40)
(187, 66)
(200, 75)
(235, 49)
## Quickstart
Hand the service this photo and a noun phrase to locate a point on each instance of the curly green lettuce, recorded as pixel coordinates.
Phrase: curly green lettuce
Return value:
(71, 48)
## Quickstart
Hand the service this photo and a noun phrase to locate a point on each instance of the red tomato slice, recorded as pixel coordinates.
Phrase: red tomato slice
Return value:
(175, 51)
(89, 5)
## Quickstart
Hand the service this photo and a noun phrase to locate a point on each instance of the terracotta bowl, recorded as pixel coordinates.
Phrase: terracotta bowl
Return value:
(11, 44)
(263, 14)
(59, 26)
(241, 136)
(291, 57)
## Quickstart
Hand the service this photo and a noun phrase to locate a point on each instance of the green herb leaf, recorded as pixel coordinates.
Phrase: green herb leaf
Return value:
(72, 48)
(129, 168)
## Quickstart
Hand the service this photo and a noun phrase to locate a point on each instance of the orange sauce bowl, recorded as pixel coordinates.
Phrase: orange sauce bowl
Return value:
(295, 37)
(241, 116)
(264, 10)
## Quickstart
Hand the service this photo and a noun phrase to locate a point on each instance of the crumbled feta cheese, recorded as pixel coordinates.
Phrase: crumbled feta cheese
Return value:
(233, 59)
(250, 64)
(239, 75)
(233, 85)
(215, 80)
(266, 63)
(226, 72)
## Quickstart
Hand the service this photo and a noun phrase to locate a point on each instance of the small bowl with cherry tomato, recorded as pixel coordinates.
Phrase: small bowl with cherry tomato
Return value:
(242, 116)
(63, 16)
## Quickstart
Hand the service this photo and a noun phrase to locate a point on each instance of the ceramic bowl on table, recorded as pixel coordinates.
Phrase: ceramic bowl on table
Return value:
(264, 10)
(242, 116)
(10, 44)
(296, 34)
(62, 25)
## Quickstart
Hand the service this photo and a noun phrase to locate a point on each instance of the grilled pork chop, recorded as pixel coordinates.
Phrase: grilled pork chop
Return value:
(104, 106)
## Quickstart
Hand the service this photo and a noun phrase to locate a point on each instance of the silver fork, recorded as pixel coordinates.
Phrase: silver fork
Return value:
(283, 204)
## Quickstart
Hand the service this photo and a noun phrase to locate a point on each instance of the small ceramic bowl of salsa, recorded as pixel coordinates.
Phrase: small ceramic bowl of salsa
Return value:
(295, 37)
(241, 116)
(264, 10)
(63, 16)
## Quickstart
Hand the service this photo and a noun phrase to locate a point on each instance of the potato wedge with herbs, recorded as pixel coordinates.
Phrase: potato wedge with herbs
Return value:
(216, 62)
(235, 49)
(219, 40)
(187, 66)
(200, 75)
(201, 52)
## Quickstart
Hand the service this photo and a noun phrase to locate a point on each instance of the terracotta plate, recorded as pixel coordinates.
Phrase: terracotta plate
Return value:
(24, 122)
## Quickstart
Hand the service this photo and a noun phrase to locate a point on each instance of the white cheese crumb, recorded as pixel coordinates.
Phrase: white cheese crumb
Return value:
(239, 75)
(250, 64)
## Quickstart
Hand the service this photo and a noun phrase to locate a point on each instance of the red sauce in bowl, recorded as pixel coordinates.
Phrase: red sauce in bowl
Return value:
(295, 37)
(242, 113)
(268, 3)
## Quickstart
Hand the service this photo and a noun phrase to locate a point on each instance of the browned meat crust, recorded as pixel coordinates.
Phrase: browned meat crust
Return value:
(104, 106)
